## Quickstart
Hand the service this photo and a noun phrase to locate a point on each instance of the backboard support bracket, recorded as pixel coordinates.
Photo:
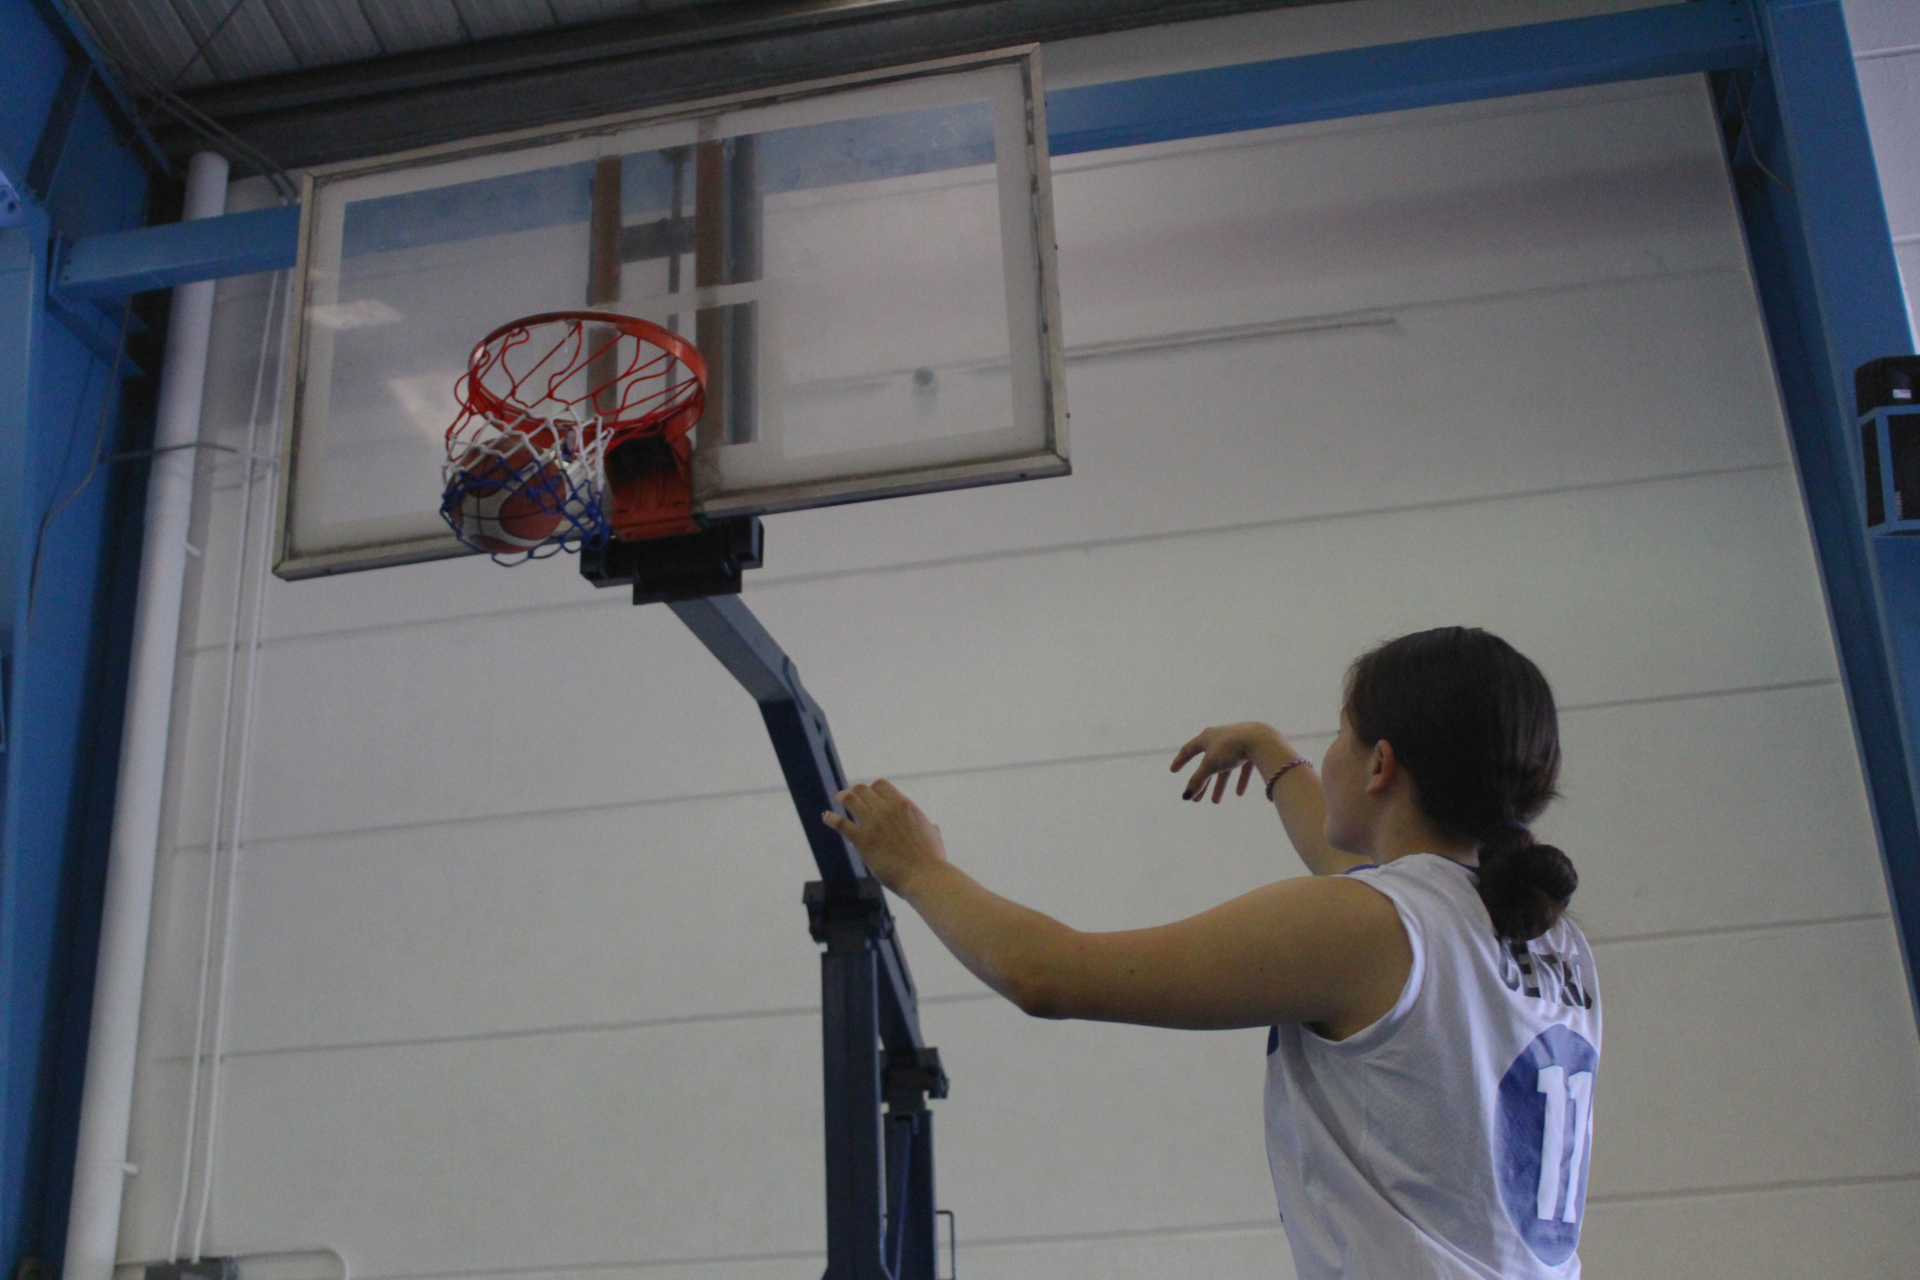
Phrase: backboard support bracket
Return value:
(690, 566)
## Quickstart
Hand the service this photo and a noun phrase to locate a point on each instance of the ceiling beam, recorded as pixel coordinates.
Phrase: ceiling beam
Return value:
(391, 104)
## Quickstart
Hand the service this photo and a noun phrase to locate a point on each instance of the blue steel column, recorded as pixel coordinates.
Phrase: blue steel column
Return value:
(23, 896)
(850, 1035)
(1823, 261)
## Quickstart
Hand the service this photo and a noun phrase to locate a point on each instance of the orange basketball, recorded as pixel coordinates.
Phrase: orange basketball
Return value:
(510, 505)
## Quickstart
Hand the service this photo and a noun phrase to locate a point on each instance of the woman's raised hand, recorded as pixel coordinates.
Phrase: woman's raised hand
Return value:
(1220, 749)
(894, 837)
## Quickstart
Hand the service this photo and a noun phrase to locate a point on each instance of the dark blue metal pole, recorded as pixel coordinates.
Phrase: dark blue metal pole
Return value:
(26, 898)
(1823, 262)
(879, 1227)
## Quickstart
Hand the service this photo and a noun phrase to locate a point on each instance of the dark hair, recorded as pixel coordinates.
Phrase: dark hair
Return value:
(1471, 720)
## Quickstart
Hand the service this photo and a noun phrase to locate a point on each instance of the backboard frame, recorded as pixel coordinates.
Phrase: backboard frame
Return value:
(293, 560)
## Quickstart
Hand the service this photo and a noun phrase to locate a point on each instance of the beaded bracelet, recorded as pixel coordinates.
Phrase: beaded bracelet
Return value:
(1282, 769)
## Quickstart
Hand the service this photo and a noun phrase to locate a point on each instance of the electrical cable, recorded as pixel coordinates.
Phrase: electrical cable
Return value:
(1753, 143)
(248, 703)
(200, 50)
(220, 784)
(212, 131)
(93, 464)
(154, 96)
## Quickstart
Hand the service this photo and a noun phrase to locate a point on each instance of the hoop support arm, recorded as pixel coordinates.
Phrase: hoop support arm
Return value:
(879, 1163)
(804, 745)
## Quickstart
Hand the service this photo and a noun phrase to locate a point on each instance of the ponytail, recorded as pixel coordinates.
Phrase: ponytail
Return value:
(1524, 884)
(1472, 722)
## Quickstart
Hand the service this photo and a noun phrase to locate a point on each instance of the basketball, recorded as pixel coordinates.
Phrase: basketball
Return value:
(509, 504)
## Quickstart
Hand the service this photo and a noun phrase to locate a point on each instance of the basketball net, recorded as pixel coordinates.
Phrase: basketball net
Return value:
(544, 402)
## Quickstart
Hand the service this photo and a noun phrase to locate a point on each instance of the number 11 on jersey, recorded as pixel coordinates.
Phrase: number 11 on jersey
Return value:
(1545, 1117)
(1562, 1162)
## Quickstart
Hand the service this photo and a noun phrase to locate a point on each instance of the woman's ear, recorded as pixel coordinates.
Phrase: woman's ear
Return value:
(1382, 768)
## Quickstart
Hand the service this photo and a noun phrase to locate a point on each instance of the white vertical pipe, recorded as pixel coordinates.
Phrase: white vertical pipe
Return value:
(106, 1106)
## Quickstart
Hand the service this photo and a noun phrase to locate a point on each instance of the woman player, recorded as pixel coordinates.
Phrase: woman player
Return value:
(1436, 1026)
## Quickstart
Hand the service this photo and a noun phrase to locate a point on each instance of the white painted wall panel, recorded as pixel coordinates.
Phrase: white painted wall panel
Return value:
(552, 1151)
(1233, 1253)
(522, 982)
(478, 1155)
(1861, 1231)
(1780, 832)
(1753, 1058)
(1617, 592)
(576, 919)
(1881, 24)
(1890, 87)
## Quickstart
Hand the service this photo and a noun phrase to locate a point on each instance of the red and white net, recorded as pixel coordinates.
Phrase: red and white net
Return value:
(542, 402)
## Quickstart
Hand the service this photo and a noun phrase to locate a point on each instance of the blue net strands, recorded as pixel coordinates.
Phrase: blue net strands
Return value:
(529, 491)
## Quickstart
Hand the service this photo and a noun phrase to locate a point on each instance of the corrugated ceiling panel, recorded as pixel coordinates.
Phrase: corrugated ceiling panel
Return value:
(416, 24)
(571, 11)
(323, 32)
(504, 17)
(147, 40)
(247, 41)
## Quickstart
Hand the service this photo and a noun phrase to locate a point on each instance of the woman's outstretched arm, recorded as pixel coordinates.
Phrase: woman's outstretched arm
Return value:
(1326, 951)
(1255, 747)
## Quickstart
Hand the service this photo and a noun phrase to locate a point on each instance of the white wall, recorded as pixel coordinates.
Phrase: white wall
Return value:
(522, 983)
(1886, 45)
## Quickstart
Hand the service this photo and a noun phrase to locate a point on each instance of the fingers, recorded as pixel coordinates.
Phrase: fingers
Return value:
(864, 804)
(1188, 752)
(1220, 771)
(1196, 788)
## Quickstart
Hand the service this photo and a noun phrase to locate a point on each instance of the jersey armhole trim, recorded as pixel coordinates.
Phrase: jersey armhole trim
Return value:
(1381, 1029)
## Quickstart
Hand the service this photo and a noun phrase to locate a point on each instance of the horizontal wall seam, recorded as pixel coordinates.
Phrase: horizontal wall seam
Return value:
(596, 1268)
(1891, 51)
(1199, 1231)
(810, 1011)
(1127, 1233)
(971, 997)
(994, 1242)
(765, 586)
(1165, 751)
(1724, 930)
(1751, 1188)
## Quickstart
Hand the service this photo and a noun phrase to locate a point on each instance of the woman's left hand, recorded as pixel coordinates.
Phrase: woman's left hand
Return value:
(893, 836)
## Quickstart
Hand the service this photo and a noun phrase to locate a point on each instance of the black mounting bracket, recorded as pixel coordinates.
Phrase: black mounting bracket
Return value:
(910, 1078)
(847, 919)
(691, 566)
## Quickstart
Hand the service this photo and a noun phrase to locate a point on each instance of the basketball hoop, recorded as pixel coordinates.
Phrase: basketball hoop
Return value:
(573, 428)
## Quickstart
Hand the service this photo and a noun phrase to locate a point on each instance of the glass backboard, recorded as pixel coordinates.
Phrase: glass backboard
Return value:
(866, 264)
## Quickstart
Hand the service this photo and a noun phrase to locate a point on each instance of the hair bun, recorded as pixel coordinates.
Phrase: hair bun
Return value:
(1525, 886)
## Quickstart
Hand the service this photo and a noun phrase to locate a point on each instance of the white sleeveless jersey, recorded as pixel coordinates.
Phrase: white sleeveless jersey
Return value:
(1450, 1138)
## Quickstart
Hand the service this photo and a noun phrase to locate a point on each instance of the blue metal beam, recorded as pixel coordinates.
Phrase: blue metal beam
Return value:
(22, 286)
(1707, 35)
(159, 257)
(80, 47)
(1829, 287)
